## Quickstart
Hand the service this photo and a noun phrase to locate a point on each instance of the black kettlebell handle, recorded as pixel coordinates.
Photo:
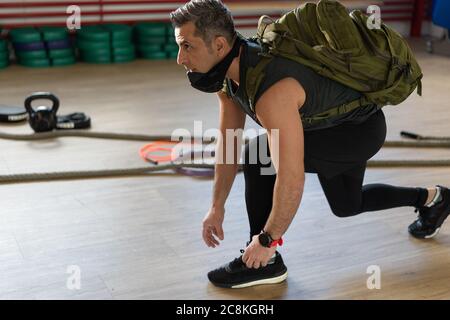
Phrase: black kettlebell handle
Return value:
(41, 96)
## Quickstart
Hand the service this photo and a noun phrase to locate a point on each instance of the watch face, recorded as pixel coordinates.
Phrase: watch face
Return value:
(264, 239)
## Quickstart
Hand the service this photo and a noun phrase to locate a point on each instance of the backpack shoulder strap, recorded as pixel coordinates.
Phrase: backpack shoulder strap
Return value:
(254, 77)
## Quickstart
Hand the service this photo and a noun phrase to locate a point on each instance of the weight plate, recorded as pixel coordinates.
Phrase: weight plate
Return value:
(96, 53)
(76, 120)
(26, 34)
(151, 29)
(12, 113)
(35, 63)
(29, 46)
(170, 31)
(96, 59)
(121, 43)
(4, 64)
(60, 53)
(119, 32)
(171, 47)
(4, 55)
(129, 50)
(63, 61)
(124, 58)
(151, 40)
(3, 45)
(93, 33)
(153, 55)
(53, 33)
(59, 44)
(36, 54)
(91, 45)
(149, 48)
(172, 55)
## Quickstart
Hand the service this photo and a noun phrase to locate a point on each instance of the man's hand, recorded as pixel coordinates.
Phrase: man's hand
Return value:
(212, 226)
(256, 255)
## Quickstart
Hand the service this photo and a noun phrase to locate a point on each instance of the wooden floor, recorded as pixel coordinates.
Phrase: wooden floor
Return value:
(140, 237)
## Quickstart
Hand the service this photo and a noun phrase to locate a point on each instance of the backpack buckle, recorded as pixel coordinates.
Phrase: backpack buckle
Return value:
(394, 62)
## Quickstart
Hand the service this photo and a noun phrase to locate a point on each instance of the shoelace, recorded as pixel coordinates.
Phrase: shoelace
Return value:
(422, 216)
(238, 260)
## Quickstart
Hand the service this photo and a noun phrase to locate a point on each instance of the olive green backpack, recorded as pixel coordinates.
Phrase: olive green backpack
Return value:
(325, 37)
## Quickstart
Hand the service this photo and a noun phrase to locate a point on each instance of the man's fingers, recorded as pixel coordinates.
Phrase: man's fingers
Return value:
(213, 232)
(220, 233)
(245, 257)
(208, 237)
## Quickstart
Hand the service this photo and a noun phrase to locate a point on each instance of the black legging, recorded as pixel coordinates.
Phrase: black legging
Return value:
(326, 152)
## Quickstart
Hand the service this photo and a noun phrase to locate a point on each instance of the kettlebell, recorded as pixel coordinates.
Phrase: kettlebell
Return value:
(42, 118)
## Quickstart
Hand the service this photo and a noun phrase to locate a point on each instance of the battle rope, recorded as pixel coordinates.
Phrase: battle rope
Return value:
(439, 142)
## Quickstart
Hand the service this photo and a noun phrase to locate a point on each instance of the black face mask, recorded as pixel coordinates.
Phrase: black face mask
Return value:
(212, 81)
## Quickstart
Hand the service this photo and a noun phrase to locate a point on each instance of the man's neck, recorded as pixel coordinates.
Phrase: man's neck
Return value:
(233, 70)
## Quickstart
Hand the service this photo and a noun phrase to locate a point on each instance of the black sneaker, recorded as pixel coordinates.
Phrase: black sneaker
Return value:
(430, 219)
(235, 274)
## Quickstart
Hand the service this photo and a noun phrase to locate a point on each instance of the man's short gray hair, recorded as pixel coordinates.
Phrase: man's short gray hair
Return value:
(210, 17)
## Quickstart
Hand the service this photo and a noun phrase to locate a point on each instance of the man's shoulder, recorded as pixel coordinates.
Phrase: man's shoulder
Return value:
(283, 90)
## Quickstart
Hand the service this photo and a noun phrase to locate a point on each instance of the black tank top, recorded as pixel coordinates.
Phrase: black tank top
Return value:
(322, 93)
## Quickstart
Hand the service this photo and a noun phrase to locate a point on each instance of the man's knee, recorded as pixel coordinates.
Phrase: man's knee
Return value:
(344, 212)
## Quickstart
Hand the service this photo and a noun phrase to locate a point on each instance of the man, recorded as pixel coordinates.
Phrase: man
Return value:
(212, 51)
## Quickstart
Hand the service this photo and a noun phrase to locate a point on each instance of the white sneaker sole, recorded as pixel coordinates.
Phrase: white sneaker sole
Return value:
(263, 281)
(434, 234)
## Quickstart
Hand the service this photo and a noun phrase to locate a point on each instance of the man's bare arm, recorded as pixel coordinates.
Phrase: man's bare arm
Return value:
(278, 110)
(231, 117)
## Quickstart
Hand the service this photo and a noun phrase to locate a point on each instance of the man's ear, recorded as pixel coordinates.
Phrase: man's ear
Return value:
(221, 46)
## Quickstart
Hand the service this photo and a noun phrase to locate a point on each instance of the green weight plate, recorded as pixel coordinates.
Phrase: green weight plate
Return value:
(172, 55)
(149, 48)
(60, 53)
(171, 40)
(170, 31)
(4, 64)
(170, 47)
(96, 52)
(124, 58)
(27, 34)
(154, 55)
(151, 40)
(53, 33)
(4, 55)
(93, 33)
(121, 43)
(36, 63)
(119, 32)
(96, 59)
(63, 61)
(3, 46)
(36, 54)
(123, 50)
(151, 29)
(92, 45)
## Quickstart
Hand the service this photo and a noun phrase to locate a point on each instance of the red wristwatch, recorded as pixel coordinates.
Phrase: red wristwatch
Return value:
(266, 240)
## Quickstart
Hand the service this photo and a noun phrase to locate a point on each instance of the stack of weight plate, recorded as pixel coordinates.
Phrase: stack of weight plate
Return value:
(108, 43)
(151, 37)
(122, 46)
(170, 47)
(4, 54)
(59, 46)
(42, 47)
